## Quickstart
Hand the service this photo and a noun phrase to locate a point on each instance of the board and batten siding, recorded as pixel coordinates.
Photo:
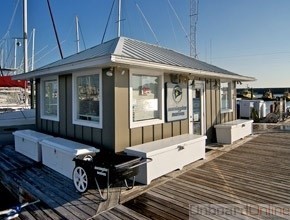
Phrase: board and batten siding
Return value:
(213, 108)
(126, 136)
(116, 133)
(65, 127)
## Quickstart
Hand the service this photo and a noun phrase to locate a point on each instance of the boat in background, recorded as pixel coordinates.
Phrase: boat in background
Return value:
(13, 121)
(246, 94)
(268, 96)
(286, 95)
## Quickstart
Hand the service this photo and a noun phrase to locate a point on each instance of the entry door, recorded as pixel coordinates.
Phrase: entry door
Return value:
(196, 109)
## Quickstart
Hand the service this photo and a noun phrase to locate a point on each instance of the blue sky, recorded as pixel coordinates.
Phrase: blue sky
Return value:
(248, 37)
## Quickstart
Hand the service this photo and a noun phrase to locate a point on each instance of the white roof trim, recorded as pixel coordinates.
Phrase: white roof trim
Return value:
(95, 62)
(170, 68)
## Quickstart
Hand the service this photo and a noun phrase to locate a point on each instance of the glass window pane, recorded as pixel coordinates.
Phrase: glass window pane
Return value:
(88, 98)
(146, 97)
(226, 96)
(50, 98)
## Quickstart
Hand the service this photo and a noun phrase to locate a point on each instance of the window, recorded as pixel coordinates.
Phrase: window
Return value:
(226, 97)
(49, 99)
(146, 94)
(87, 99)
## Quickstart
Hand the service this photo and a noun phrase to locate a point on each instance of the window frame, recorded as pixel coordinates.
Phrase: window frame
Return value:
(81, 122)
(42, 98)
(143, 72)
(230, 108)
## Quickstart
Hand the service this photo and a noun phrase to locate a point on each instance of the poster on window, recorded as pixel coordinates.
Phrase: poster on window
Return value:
(176, 101)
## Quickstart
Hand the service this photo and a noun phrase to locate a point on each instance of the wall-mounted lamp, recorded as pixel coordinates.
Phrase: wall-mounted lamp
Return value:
(110, 72)
(216, 84)
(123, 72)
(193, 83)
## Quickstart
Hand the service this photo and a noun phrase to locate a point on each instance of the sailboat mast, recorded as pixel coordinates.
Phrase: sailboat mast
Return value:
(33, 48)
(25, 45)
(119, 18)
(77, 34)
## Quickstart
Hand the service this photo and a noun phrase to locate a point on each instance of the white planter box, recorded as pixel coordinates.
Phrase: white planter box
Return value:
(232, 131)
(167, 155)
(58, 154)
(27, 143)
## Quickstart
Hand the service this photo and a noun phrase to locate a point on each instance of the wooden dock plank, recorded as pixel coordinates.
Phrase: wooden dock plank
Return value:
(256, 172)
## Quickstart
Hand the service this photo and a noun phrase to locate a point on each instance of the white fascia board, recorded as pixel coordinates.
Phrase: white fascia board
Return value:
(202, 73)
(96, 62)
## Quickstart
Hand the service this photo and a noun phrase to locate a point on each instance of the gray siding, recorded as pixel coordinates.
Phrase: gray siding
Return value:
(116, 134)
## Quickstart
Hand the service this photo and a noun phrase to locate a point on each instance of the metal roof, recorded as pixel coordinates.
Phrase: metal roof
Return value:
(128, 51)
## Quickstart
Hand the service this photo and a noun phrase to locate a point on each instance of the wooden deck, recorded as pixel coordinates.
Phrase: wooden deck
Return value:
(257, 172)
(254, 171)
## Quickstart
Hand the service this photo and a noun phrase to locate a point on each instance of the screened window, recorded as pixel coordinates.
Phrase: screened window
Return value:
(49, 99)
(226, 96)
(146, 99)
(87, 96)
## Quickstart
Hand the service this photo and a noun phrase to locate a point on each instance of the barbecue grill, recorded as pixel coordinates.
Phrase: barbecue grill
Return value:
(105, 169)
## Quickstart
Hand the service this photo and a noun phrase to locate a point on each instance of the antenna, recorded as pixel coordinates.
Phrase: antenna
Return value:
(193, 22)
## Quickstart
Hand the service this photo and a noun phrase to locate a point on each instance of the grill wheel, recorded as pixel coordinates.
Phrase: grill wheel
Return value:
(80, 179)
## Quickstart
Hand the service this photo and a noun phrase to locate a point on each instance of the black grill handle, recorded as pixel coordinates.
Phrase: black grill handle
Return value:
(143, 161)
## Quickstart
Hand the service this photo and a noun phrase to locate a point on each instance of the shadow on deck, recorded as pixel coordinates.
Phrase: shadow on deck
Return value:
(31, 181)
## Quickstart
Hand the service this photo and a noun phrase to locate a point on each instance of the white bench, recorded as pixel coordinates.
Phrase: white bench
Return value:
(27, 143)
(232, 131)
(58, 154)
(167, 155)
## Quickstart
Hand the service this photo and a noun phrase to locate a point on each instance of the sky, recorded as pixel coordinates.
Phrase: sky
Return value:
(247, 37)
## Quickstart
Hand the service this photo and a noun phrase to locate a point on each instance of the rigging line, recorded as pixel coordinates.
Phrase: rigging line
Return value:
(8, 56)
(180, 22)
(47, 53)
(11, 21)
(107, 24)
(147, 23)
(55, 32)
(172, 26)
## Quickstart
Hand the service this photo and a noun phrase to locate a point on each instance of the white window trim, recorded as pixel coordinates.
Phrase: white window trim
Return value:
(74, 99)
(147, 72)
(232, 97)
(42, 115)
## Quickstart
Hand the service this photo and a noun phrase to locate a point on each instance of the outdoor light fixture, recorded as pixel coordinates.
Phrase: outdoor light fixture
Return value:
(110, 72)
(216, 85)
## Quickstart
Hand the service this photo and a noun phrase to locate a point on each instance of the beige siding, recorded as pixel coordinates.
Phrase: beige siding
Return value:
(136, 136)
(184, 127)
(148, 134)
(108, 131)
(122, 131)
(167, 130)
(157, 132)
(208, 107)
(176, 128)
